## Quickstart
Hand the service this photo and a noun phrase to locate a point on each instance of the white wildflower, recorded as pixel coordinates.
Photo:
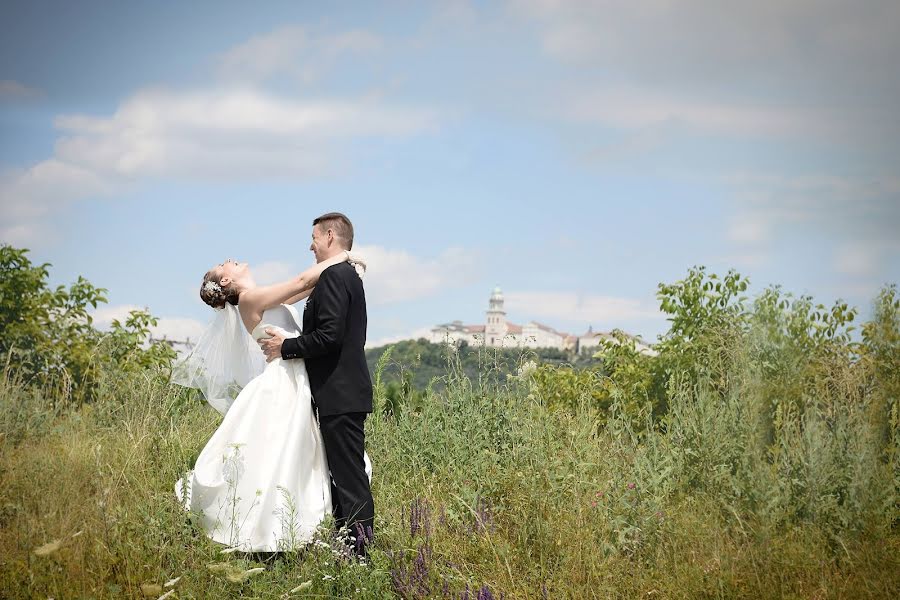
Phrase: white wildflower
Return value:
(301, 587)
(48, 548)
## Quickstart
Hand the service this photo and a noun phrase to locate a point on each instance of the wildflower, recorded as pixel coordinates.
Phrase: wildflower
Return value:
(48, 548)
(243, 575)
(418, 518)
(599, 494)
(594, 504)
(301, 587)
(631, 486)
(485, 593)
(327, 577)
(526, 369)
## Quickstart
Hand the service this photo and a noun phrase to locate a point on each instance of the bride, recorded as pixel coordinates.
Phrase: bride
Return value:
(261, 483)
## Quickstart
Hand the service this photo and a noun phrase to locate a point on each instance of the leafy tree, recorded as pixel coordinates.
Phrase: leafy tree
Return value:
(635, 379)
(881, 353)
(47, 334)
(707, 314)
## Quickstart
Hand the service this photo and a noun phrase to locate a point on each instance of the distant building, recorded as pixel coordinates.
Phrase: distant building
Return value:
(497, 332)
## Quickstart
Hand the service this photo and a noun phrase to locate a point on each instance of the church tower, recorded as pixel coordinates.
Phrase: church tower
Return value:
(495, 328)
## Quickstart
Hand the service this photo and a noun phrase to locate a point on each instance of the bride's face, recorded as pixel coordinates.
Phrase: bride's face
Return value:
(231, 270)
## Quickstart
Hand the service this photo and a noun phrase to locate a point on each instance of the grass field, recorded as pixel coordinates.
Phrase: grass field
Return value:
(481, 492)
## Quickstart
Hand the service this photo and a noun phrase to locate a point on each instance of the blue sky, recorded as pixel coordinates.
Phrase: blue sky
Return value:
(574, 153)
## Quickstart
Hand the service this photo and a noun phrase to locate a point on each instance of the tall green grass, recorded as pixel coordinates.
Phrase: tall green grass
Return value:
(774, 485)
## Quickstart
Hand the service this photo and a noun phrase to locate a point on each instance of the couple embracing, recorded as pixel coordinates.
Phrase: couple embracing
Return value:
(291, 448)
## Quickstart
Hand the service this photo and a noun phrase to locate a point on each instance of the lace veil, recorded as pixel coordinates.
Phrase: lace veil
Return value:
(222, 362)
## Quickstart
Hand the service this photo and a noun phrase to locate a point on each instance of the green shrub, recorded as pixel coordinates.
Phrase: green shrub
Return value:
(47, 335)
(767, 469)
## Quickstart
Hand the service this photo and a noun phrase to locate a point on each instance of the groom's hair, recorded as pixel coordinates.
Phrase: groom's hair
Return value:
(340, 225)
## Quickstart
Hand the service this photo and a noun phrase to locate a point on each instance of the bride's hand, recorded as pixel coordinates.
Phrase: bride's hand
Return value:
(357, 261)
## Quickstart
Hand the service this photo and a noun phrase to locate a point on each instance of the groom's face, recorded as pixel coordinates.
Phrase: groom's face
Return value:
(319, 244)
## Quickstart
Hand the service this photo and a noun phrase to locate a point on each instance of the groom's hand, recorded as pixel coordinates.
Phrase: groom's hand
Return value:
(271, 347)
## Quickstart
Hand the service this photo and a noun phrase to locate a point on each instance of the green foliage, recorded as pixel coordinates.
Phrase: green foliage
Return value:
(566, 388)
(127, 344)
(756, 455)
(427, 361)
(634, 379)
(706, 312)
(881, 355)
(47, 335)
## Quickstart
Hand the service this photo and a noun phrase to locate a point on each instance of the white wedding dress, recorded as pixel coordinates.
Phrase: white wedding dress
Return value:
(262, 483)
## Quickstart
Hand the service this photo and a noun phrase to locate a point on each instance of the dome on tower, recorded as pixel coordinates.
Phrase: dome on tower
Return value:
(497, 293)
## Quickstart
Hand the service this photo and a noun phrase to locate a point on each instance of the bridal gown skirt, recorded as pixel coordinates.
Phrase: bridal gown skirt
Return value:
(262, 484)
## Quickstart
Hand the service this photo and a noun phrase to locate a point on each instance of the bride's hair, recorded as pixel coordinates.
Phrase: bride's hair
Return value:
(214, 294)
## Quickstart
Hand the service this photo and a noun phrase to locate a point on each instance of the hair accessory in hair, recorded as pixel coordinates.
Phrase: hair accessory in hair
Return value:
(212, 286)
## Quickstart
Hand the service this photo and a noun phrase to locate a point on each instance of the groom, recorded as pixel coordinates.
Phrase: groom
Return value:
(332, 343)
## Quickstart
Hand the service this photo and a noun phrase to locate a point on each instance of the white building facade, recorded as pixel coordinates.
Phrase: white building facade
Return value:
(498, 332)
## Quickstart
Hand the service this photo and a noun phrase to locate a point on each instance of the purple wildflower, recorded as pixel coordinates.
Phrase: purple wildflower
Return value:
(484, 517)
(418, 518)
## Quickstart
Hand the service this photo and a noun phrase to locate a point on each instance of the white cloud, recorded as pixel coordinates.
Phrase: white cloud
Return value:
(13, 90)
(105, 315)
(272, 271)
(33, 192)
(398, 276)
(178, 328)
(641, 108)
(856, 218)
(22, 235)
(748, 260)
(236, 130)
(855, 260)
(218, 135)
(421, 332)
(27, 195)
(226, 133)
(800, 68)
(864, 208)
(711, 42)
(864, 259)
(293, 50)
(749, 228)
(585, 308)
(172, 328)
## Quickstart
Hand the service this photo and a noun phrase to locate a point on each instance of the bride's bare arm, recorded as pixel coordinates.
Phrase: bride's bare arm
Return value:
(298, 297)
(354, 258)
(255, 301)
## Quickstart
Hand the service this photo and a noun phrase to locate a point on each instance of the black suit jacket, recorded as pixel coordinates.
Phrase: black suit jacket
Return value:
(333, 341)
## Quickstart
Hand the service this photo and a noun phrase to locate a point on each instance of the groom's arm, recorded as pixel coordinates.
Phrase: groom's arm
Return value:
(333, 303)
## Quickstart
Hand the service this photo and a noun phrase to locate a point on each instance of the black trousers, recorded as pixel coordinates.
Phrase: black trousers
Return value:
(351, 497)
